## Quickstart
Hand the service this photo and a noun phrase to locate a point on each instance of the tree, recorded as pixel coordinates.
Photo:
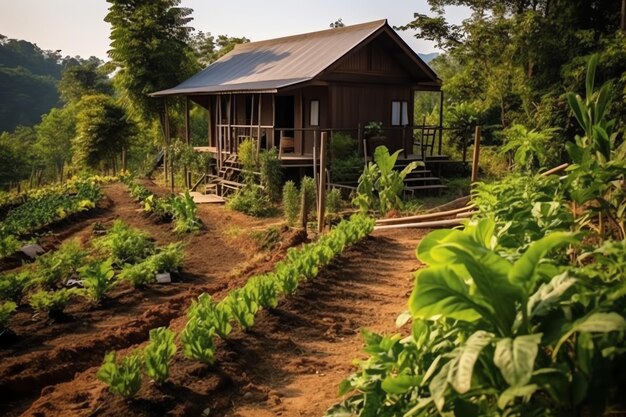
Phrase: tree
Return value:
(84, 78)
(208, 49)
(149, 45)
(54, 137)
(337, 24)
(103, 132)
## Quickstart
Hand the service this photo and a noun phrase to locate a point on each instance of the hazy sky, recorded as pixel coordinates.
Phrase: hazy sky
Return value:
(76, 27)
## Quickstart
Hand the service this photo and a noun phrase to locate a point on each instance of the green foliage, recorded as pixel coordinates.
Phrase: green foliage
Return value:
(54, 268)
(211, 315)
(197, 339)
(168, 258)
(308, 194)
(54, 138)
(125, 244)
(185, 214)
(380, 185)
(291, 203)
(333, 201)
(9, 244)
(271, 173)
(85, 78)
(98, 279)
(530, 148)
(51, 302)
(123, 378)
(146, 67)
(13, 286)
(246, 152)
(159, 353)
(373, 129)
(6, 308)
(139, 275)
(243, 306)
(103, 130)
(345, 163)
(208, 49)
(251, 200)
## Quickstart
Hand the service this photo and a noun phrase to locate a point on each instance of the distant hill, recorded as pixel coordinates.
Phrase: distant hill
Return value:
(428, 57)
(28, 82)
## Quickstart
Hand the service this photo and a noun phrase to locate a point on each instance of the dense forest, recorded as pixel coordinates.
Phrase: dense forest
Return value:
(506, 67)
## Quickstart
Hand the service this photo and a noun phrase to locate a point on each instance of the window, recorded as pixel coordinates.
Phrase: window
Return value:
(399, 113)
(314, 115)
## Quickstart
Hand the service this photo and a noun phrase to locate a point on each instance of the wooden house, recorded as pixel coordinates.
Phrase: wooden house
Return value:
(285, 92)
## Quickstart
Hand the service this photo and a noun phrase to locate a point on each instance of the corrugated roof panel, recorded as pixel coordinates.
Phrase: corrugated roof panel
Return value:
(276, 63)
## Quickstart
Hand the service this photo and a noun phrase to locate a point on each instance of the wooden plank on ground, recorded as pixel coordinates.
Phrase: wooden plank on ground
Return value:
(200, 198)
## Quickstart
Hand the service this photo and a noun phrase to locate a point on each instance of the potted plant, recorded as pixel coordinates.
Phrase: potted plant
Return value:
(375, 136)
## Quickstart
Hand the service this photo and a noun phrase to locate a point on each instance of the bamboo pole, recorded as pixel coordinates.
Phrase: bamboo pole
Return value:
(422, 225)
(555, 170)
(187, 142)
(476, 155)
(321, 210)
(430, 216)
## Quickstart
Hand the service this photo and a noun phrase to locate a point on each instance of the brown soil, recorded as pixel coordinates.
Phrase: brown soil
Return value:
(289, 364)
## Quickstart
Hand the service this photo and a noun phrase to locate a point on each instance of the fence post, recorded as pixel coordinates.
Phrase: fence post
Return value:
(476, 155)
(322, 204)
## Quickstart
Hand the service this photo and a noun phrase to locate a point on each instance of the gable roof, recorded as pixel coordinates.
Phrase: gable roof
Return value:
(269, 65)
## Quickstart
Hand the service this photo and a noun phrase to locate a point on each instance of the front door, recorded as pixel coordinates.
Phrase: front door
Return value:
(284, 117)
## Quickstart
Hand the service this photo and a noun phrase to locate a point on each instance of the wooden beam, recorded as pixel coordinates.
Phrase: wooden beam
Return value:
(423, 225)
(421, 217)
(187, 142)
(321, 211)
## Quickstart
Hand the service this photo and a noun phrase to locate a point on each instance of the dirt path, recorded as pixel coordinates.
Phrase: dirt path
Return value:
(292, 361)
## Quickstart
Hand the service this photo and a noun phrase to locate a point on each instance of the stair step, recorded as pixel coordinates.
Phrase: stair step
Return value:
(421, 179)
(425, 187)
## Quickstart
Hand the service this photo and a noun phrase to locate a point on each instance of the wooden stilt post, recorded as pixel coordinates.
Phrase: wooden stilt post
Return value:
(440, 121)
(187, 142)
(476, 155)
(322, 201)
(166, 131)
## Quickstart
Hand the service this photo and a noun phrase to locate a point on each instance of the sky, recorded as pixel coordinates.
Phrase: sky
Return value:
(77, 27)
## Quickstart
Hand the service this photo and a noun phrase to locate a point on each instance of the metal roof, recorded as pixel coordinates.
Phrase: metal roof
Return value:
(267, 66)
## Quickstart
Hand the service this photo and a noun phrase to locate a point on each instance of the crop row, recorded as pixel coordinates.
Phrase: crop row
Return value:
(123, 254)
(45, 207)
(181, 209)
(208, 319)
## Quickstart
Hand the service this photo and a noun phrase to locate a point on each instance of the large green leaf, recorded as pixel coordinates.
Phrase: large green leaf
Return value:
(399, 384)
(439, 386)
(439, 291)
(593, 323)
(516, 358)
(549, 295)
(511, 393)
(591, 75)
(524, 271)
(462, 368)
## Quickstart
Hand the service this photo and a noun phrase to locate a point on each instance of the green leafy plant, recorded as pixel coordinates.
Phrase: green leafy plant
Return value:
(9, 244)
(197, 339)
(380, 186)
(159, 352)
(139, 275)
(51, 302)
(251, 200)
(98, 279)
(291, 203)
(168, 258)
(212, 315)
(125, 244)
(185, 214)
(333, 201)
(13, 286)
(243, 306)
(529, 147)
(271, 173)
(373, 129)
(123, 378)
(6, 309)
(308, 194)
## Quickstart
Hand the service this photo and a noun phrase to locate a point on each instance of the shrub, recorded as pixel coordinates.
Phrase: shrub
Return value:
(271, 173)
(333, 201)
(159, 353)
(123, 378)
(251, 200)
(308, 189)
(291, 203)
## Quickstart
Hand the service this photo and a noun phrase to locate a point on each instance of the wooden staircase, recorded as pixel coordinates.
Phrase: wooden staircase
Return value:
(227, 180)
(420, 181)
